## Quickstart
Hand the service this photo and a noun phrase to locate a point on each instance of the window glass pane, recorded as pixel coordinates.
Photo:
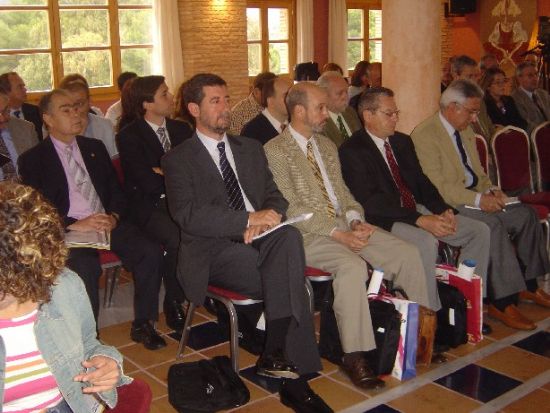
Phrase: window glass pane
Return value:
(24, 30)
(94, 65)
(137, 60)
(355, 53)
(278, 58)
(81, 28)
(375, 50)
(375, 24)
(253, 24)
(23, 2)
(355, 24)
(35, 69)
(135, 2)
(277, 24)
(136, 26)
(82, 2)
(254, 59)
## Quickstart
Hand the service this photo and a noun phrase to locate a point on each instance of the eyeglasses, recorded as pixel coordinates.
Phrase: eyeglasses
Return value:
(470, 111)
(390, 114)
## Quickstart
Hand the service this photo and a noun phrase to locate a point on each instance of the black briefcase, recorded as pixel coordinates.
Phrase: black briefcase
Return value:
(451, 318)
(386, 323)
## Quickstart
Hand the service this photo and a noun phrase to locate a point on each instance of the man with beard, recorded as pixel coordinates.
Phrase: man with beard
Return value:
(337, 239)
(221, 193)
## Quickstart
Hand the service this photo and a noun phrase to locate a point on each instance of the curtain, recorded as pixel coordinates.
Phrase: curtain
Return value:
(338, 32)
(304, 31)
(167, 52)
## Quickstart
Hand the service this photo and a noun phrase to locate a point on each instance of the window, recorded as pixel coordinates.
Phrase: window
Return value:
(270, 33)
(44, 40)
(364, 32)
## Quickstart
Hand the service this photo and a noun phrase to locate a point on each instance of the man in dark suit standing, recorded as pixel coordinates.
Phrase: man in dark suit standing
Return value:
(76, 175)
(12, 83)
(221, 193)
(141, 144)
(274, 118)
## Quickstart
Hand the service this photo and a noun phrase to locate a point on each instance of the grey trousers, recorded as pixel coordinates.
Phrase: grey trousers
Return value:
(516, 234)
(400, 261)
(471, 235)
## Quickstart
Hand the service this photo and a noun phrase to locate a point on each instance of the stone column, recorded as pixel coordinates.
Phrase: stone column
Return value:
(411, 56)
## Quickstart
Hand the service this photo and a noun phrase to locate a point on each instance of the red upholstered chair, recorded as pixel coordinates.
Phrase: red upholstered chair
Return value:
(315, 275)
(133, 398)
(483, 152)
(228, 299)
(540, 138)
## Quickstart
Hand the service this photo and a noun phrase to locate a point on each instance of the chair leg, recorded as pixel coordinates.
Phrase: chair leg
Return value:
(113, 284)
(234, 339)
(186, 330)
(309, 292)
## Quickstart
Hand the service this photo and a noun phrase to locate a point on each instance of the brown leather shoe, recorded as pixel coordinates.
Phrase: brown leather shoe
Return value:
(361, 375)
(512, 317)
(539, 297)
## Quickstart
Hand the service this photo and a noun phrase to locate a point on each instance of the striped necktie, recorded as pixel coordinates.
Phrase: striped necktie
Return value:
(8, 169)
(319, 177)
(82, 181)
(407, 198)
(342, 127)
(234, 195)
(164, 141)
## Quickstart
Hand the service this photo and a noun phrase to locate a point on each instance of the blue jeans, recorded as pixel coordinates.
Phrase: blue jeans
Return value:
(61, 407)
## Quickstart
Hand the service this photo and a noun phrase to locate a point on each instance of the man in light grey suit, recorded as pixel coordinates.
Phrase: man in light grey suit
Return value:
(533, 102)
(221, 194)
(16, 136)
(343, 120)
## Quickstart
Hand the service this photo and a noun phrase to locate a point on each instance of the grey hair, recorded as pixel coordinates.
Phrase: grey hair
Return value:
(369, 99)
(459, 62)
(326, 77)
(458, 91)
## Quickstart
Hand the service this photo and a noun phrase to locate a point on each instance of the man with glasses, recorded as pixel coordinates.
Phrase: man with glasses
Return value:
(446, 147)
(533, 103)
(382, 171)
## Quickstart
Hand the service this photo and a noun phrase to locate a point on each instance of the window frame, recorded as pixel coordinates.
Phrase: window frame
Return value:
(53, 8)
(264, 5)
(366, 6)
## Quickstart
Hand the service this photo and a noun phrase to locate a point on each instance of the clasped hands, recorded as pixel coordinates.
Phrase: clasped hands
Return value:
(260, 221)
(493, 201)
(104, 377)
(94, 222)
(357, 238)
(439, 225)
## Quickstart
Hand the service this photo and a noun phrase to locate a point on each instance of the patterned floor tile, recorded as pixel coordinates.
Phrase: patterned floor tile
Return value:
(146, 358)
(116, 335)
(336, 395)
(270, 384)
(383, 408)
(157, 388)
(203, 336)
(537, 401)
(538, 343)
(516, 363)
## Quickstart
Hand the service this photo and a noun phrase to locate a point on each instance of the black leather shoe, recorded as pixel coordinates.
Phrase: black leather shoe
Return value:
(146, 334)
(486, 329)
(306, 401)
(277, 366)
(174, 315)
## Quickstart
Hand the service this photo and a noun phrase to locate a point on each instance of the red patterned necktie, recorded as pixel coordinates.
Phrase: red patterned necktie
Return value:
(407, 198)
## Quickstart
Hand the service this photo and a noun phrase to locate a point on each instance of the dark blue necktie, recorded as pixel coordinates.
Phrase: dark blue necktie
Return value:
(235, 198)
(462, 151)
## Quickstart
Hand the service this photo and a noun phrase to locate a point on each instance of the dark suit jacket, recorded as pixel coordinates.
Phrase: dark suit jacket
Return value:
(371, 183)
(41, 168)
(197, 201)
(32, 114)
(140, 151)
(259, 128)
(512, 116)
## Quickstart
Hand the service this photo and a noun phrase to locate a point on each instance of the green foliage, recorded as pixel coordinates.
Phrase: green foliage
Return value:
(136, 26)
(254, 59)
(137, 61)
(355, 23)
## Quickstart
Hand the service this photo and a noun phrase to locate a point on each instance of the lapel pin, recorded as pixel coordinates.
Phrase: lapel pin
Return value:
(92, 155)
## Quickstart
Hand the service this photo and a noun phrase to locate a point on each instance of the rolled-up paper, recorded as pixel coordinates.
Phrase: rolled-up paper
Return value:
(375, 281)
(466, 269)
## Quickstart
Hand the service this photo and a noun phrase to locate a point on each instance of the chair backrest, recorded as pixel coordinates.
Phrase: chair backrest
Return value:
(540, 137)
(483, 152)
(511, 151)
(118, 169)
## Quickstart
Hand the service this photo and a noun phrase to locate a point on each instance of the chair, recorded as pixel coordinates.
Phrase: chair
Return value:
(133, 398)
(229, 299)
(483, 152)
(540, 138)
(315, 275)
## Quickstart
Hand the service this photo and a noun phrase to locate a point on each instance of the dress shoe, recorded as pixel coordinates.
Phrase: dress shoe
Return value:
(174, 315)
(146, 334)
(539, 297)
(512, 317)
(486, 329)
(361, 374)
(304, 401)
(277, 366)
(253, 342)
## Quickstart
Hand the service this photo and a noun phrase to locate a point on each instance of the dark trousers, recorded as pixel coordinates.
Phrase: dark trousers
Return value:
(162, 229)
(272, 269)
(138, 254)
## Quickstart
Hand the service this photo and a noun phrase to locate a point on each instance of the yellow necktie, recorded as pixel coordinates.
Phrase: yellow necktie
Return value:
(317, 172)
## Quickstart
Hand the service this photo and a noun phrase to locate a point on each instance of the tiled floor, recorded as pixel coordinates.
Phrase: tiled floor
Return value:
(509, 371)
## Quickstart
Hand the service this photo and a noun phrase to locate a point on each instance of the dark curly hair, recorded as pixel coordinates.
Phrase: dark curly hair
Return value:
(32, 247)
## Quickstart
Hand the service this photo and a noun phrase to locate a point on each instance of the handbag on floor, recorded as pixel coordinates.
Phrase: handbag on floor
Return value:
(205, 386)
(427, 324)
(386, 324)
(405, 361)
(451, 318)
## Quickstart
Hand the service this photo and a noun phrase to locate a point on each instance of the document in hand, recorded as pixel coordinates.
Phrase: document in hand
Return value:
(99, 240)
(293, 220)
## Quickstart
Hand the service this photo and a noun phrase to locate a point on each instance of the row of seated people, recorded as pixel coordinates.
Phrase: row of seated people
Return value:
(218, 188)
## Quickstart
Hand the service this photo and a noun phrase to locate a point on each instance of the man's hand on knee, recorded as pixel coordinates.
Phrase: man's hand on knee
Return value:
(350, 240)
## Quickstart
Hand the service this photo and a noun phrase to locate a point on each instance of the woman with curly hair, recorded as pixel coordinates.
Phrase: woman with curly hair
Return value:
(50, 359)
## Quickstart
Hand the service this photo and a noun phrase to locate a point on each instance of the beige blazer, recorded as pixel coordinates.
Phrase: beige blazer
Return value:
(529, 111)
(332, 131)
(442, 164)
(23, 134)
(295, 179)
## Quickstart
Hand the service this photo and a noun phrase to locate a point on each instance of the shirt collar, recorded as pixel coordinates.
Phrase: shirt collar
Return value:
(156, 127)
(379, 142)
(300, 139)
(211, 144)
(530, 94)
(448, 127)
(334, 116)
(60, 145)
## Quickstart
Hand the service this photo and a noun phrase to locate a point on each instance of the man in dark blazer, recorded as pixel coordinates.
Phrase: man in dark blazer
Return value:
(12, 83)
(221, 193)
(76, 175)
(141, 144)
(273, 119)
(382, 172)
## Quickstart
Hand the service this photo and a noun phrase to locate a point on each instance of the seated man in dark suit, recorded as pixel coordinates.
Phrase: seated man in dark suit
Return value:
(141, 144)
(221, 193)
(273, 119)
(12, 83)
(76, 175)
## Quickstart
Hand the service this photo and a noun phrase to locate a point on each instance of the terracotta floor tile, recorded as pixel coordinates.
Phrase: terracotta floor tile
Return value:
(145, 358)
(328, 367)
(342, 377)
(203, 312)
(116, 335)
(128, 366)
(537, 401)
(336, 395)
(246, 359)
(516, 363)
(469, 348)
(157, 388)
(162, 405)
(432, 398)
(500, 330)
(267, 405)
(256, 392)
(533, 311)
(546, 387)
(161, 371)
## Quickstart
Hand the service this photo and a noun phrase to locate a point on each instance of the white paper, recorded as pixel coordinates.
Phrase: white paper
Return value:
(92, 239)
(293, 220)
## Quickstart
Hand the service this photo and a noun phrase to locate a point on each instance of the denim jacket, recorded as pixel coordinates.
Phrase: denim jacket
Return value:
(66, 335)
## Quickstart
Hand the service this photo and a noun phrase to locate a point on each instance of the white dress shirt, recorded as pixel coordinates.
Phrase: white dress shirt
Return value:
(274, 122)
(334, 117)
(156, 127)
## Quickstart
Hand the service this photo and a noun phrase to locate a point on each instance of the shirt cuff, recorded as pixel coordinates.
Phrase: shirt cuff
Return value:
(352, 216)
